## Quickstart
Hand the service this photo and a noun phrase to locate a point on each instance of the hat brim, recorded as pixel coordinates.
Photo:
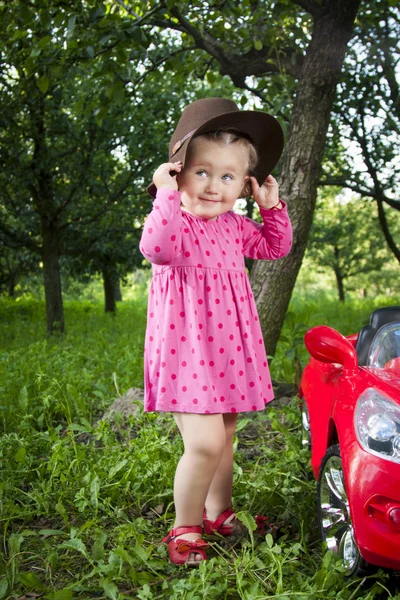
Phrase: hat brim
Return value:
(263, 129)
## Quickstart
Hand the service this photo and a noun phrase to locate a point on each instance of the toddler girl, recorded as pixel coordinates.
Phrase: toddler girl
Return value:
(205, 359)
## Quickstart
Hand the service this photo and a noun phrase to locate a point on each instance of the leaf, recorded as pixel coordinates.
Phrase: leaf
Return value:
(242, 424)
(59, 18)
(3, 587)
(211, 77)
(31, 580)
(98, 547)
(44, 41)
(79, 428)
(43, 84)
(140, 552)
(61, 511)
(247, 520)
(79, 106)
(105, 39)
(118, 94)
(71, 26)
(258, 44)
(114, 470)
(49, 532)
(25, 14)
(100, 114)
(75, 544)
(94, 492)
(64, 594)
(20, 454)
(120, 551)
(110, 589)
(14, 542)
(45, 18)
(270, 540)
(23, 398)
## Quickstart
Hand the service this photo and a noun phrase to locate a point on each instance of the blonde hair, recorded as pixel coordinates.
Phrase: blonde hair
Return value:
(234, 136)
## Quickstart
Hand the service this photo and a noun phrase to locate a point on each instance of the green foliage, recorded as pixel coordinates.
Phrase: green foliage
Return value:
(84, 503)
(363, 145)
(57, 382)
(346, 237)
(309, 308)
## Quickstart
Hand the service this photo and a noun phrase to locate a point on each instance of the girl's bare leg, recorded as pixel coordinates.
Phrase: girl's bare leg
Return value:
(204, 442)
(219, 496)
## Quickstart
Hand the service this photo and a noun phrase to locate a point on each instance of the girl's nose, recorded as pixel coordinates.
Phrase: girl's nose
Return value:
(212, 185)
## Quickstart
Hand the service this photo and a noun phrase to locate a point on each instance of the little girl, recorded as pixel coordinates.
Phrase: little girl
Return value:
(205, 359)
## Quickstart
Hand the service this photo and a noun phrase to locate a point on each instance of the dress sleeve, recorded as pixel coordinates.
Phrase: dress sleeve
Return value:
(161, 238)
(271, 239)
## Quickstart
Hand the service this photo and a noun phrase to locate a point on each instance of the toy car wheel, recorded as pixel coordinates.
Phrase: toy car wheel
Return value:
(334, 515)
(305, 427)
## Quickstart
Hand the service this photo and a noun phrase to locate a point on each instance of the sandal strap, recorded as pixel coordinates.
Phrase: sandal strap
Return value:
(182, 530)
(220, 520)
(190, 546)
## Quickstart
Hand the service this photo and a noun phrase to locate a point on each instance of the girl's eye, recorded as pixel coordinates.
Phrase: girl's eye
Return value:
(201, 172)
(227, 177)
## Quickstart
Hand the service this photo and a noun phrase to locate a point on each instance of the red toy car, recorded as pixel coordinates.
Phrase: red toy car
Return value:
(351, 419)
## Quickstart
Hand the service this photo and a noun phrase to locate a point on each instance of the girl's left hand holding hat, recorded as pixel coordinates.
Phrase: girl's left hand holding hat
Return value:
(267, 194)
(165, 175)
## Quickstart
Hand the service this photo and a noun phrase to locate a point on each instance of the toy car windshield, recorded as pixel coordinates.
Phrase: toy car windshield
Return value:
(385, 348)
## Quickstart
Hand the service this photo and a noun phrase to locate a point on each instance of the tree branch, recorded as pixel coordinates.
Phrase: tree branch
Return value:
(385, 228)
(310, 6)
(365, 192)
(131, 12)
(262, 97)
(238, 67)
(159, 62)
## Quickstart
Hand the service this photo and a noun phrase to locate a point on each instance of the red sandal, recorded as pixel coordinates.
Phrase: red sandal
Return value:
(217, 526)
(179, 550)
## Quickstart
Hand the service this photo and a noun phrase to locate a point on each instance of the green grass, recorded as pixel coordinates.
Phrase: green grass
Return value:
(84, 505)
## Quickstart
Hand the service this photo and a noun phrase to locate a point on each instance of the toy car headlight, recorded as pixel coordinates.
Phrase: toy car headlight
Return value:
(377, 424)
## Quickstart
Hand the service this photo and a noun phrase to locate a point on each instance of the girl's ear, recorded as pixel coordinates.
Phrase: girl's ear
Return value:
(247, 189)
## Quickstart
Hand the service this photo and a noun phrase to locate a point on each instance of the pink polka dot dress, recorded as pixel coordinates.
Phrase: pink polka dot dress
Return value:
(204, 351)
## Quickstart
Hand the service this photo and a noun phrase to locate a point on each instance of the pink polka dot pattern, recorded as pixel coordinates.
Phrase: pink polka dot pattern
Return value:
(204, 347)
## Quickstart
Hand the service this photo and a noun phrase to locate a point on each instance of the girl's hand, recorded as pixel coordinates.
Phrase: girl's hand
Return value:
(163, 178)
(267, 194)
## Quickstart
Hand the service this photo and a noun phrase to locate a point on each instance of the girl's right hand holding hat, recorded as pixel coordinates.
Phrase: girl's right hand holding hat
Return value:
(163, 178)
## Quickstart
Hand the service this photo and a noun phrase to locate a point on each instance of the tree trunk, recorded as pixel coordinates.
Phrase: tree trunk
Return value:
(118, 293)
(52, 278)
(109, 282)
(44, 199)
(385, 229)
(340, 285)
(12, 282)
(273, 281)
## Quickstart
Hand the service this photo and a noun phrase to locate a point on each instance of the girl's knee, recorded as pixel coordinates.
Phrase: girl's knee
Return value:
(207, 448)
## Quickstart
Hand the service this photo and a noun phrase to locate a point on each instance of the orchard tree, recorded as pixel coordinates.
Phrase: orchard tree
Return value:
(45, 152)
(289, 53)
(79, 138)
(346, 238)
(15, 263)
(366, 118)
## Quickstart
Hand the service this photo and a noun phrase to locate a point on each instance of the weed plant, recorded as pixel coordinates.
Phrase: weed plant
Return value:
(84, 503)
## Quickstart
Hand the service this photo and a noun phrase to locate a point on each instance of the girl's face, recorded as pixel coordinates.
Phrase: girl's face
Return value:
(213, 177)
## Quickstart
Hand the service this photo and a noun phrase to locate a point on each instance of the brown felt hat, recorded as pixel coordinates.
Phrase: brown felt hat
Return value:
(210, 114)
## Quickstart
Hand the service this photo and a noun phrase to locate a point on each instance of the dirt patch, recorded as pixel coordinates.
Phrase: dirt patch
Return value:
(128, 404)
